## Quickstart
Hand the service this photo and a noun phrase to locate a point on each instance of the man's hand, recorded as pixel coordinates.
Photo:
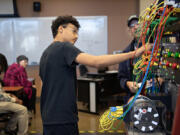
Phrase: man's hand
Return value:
(133, 86)
(19, 101)
(12, 95)
(159, 79)
(140, 50)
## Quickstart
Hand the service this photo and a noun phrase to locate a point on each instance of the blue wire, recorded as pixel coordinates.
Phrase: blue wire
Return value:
(144, 79)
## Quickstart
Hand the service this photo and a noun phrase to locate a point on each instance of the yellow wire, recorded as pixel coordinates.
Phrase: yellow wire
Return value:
(108, 118)
(105, 122)
(152, 32)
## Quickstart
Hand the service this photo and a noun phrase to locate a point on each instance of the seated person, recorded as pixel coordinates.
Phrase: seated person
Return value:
(16, 76)
(10, 103)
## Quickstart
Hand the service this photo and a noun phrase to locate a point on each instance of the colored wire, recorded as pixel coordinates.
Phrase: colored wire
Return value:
(141, 69)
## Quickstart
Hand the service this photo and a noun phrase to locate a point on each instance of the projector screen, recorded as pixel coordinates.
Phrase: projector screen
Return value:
(8, 8)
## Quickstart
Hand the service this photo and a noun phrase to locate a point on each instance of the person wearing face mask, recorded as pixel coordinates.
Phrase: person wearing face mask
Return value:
(125, 73)
(126, 67)
(16, 76)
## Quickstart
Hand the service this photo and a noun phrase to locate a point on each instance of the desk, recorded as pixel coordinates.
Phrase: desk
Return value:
(15, 90)
(91, 90)
(12, 88)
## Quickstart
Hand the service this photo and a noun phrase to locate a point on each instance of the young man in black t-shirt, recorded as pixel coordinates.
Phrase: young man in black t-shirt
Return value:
(58, 74)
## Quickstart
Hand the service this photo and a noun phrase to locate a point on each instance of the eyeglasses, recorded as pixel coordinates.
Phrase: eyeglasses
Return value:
(74, 30)
(133, 24)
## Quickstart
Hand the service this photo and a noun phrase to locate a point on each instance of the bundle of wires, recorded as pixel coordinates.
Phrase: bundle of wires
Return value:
(143, 65)
(110, 116)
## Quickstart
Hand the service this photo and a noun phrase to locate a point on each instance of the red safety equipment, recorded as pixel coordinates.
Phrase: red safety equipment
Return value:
(176, 123)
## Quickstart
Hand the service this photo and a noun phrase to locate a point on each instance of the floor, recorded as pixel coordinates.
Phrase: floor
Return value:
(88, 124)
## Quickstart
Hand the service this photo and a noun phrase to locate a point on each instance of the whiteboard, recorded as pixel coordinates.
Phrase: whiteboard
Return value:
(30, 36)
(7, 40)
(93, 35)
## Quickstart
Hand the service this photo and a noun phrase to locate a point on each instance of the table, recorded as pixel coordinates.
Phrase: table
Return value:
(92, 90)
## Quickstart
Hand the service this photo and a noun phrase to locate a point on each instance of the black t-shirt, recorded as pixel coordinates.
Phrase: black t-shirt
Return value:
(58, 74)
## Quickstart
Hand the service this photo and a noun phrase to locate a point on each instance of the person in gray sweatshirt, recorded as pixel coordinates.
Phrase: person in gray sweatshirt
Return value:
(10, 103)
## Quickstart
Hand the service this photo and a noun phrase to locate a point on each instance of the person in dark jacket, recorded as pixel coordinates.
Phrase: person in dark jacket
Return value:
(125, 73)
(126, 68)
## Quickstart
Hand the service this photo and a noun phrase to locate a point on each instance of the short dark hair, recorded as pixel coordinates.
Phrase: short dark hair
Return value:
(20, 58)
(1, 82)
(3, 63)
(63, 20)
